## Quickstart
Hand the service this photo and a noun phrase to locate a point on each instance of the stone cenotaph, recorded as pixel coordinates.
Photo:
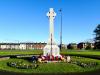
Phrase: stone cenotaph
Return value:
(51, 49)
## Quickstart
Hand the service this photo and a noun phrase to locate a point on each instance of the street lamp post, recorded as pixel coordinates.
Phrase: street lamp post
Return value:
(60, 29)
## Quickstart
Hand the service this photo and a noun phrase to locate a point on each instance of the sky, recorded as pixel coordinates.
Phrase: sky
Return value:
(26, 20)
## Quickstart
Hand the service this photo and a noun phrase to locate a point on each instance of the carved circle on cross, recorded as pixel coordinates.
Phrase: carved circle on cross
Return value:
(51, 13)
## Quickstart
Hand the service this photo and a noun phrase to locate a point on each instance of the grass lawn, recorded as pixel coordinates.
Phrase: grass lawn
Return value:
(52, 67)
(81, 52)
(35, 52)
(18, 52)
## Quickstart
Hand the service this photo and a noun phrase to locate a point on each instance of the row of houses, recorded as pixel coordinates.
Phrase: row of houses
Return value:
(81, 45)
(22, 46)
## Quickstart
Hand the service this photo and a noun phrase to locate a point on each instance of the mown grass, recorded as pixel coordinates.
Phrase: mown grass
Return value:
(19, 52)
(81, 52)
(38, 52)
(52, 67)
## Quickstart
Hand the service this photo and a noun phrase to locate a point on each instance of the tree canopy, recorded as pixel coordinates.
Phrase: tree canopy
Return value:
(97, 37)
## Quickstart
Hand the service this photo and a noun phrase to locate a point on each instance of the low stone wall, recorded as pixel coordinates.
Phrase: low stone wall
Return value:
(4, 58)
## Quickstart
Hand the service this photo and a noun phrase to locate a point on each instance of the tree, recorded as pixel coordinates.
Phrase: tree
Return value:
(97, 38)
(88, 46)
(72, 46)
(69, 46)
(80, 45)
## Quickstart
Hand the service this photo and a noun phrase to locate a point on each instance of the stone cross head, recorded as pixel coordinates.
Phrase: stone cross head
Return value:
(51, 14)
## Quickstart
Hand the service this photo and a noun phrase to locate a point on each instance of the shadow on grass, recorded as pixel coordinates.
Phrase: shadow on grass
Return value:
(82, 73)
